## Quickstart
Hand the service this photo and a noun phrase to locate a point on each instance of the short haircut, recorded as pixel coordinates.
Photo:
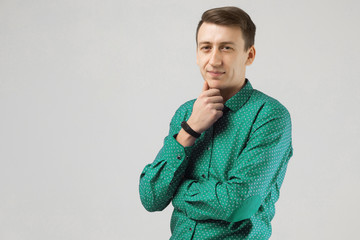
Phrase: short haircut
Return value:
(230, 16)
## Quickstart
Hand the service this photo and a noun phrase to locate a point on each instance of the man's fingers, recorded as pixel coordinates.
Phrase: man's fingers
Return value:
(205, 86)
(215, 99)
(213, 94)
(218, 106)
(210, 91)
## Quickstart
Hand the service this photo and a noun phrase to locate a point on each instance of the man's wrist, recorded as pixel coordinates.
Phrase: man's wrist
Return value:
(185, 139)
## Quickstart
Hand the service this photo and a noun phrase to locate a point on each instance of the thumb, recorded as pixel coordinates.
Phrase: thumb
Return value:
(205, 86)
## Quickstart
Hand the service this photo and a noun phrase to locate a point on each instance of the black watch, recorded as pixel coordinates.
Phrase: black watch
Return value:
(189, 130)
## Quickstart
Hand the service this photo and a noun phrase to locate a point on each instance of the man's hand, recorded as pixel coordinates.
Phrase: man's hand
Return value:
(207, 109)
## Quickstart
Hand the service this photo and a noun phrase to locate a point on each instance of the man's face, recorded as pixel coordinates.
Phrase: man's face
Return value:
(221, 56)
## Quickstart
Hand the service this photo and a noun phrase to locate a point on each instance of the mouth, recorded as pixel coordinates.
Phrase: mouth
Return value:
(216, 73)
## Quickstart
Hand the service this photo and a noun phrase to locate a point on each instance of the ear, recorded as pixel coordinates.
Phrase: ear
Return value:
(251, 55)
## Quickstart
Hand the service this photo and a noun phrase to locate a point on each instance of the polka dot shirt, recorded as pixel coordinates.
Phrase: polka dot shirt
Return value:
(225, 185)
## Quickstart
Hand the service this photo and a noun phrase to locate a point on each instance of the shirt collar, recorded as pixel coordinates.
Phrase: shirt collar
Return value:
(240, 98)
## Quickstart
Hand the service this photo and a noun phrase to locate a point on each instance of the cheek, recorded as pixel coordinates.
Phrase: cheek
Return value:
(243, 60)
(239, 64)
(202, 59)
(202, 63)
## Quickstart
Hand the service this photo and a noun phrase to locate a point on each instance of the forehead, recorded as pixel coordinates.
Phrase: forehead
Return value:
(213, 33)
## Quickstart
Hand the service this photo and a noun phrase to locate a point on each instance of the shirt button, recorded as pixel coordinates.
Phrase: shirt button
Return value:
(190, 229)
(208, 148)
(178, 157)
(203, 176)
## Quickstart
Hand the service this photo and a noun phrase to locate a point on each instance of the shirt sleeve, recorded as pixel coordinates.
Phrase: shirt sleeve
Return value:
(261, 164)
(160, 179)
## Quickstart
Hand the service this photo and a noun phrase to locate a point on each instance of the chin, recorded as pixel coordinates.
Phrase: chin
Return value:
(214, 84)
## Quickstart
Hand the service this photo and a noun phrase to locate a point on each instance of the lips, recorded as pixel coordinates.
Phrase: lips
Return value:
(215, 73)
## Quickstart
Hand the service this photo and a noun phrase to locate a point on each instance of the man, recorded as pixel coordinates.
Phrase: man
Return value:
(224, 159)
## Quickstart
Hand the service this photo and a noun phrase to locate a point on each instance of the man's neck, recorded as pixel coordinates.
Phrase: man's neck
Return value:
(228, 93)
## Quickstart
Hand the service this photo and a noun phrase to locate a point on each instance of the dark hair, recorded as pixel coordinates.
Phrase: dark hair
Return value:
(231, 16)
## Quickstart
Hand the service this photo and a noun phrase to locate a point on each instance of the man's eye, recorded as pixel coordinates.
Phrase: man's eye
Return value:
(227, 48)
(205, 47)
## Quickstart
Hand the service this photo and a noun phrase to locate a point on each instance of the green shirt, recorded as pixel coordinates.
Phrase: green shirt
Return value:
(225, 185)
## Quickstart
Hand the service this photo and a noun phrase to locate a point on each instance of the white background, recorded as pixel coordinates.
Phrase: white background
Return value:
(88, 88)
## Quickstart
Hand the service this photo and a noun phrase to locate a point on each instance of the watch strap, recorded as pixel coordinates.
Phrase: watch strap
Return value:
(189, 130)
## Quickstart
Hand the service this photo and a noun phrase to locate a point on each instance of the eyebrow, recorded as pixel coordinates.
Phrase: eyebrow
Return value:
(222, 43)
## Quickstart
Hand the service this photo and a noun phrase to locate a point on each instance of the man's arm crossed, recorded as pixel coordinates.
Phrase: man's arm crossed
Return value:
(258, 168)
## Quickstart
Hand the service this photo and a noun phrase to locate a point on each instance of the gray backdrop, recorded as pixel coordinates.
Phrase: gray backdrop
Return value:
(88, 88)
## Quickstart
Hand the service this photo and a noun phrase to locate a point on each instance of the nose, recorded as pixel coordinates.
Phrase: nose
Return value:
(215, 58)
